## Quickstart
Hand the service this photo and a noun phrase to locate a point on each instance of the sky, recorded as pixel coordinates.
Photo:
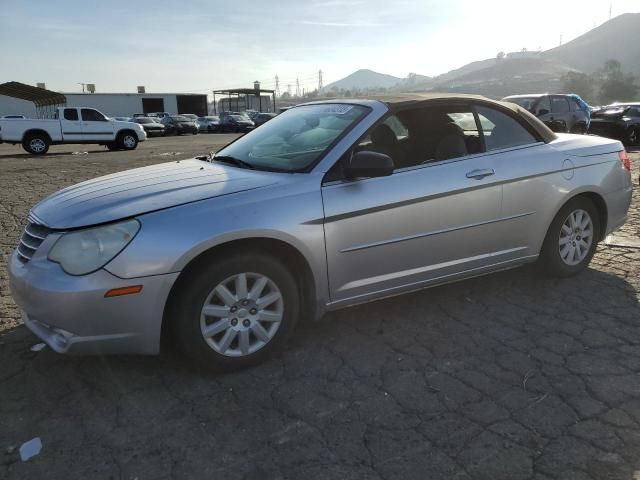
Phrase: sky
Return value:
(197, 45)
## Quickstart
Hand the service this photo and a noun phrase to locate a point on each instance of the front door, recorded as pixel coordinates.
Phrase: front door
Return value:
(71, 125)
(425, 223)
(95, 126)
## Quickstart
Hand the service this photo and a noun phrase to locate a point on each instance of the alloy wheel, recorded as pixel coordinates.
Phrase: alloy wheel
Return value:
(241, 314)
(37, 145)
(576, 237)
(129, 141)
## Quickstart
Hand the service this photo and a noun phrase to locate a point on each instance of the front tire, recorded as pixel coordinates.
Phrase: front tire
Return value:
(236, 311)
(36, 143)
(127, 141)
(572, 238)
(633, 137)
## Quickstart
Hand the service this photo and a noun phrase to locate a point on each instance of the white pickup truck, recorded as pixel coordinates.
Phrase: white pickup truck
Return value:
(71, 125)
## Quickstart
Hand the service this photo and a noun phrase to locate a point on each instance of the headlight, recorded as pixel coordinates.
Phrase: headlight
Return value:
(85, 251)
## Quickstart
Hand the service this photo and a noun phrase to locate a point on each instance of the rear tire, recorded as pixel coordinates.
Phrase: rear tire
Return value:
(127, 141)
(36, 143)
(250, 318)
(572, 238)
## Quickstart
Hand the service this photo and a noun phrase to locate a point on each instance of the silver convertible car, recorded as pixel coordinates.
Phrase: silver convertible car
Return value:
(328, 205)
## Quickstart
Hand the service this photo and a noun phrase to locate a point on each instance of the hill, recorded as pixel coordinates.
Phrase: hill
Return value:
(619, 39)
(363, 80)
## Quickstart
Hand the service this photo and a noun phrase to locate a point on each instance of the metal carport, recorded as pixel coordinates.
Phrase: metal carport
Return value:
(45, 101)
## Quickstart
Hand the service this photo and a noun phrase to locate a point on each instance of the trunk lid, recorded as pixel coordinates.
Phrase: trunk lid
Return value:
(585, 145)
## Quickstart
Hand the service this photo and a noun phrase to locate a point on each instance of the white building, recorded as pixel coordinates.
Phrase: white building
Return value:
(117, 104)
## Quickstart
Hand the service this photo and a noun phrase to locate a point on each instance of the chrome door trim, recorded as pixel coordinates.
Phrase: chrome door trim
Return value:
(428, 234)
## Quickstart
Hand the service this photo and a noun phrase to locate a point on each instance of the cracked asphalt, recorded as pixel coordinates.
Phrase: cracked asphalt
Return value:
(510, 376)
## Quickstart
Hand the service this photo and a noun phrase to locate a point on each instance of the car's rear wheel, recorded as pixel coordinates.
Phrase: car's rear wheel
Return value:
(128, 141)
(36, 143)
(572, 238)
(236, 311)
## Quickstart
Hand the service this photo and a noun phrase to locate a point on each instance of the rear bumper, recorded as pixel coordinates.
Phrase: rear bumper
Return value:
(72, 315)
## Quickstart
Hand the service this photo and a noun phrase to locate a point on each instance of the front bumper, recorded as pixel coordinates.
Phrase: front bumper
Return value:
(155, 132)
(72, 315)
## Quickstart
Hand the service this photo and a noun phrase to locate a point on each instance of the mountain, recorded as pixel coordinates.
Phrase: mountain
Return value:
(619, 39)
(363, 80)
(517, 72)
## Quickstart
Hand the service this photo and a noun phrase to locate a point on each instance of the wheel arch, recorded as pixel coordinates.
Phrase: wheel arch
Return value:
(32, 131)
(290, 256)
(601, 206)
(124, 130)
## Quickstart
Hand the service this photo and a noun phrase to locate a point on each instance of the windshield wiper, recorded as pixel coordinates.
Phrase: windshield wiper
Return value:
(233, 161)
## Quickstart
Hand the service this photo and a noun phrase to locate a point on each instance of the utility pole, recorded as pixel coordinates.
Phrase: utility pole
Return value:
(289, 89)
(297, 87)
(560, 39)
(610, 9)
(277, 86)
(320, 85)
(83, 84)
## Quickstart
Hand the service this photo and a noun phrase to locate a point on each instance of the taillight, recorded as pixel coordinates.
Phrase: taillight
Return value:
(624, 158)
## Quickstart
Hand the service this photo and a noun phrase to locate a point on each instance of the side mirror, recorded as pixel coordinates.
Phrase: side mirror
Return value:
(369, 164)
(542, 111)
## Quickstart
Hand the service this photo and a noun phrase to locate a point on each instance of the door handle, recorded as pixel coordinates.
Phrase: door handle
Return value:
(481, 173)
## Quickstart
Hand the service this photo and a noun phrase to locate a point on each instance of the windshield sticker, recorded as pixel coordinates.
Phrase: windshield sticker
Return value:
(337, 109)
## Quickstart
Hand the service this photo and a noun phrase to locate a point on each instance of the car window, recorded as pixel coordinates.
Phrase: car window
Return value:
(70, 114)
(634, 112)
(574, 105)
(543, 106)
(559, 105)
(90, 115)
(502, 131)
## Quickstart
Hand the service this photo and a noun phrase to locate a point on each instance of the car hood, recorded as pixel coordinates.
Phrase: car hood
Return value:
(144, 190)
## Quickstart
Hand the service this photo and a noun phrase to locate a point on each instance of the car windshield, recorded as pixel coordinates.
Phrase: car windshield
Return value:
(296, 139)
(180, 118)
(238, 117)
(144, 120)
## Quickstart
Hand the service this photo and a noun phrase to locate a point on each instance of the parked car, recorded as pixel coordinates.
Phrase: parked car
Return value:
(179, 124)
(152, 126)
(159, 114)
(71, 125)
(209, 124)
(262, 118)
(122, 119)
(620, 121)
(136, 115)
(328, 205)
(236, 123)
(13, 116)
(561, 113)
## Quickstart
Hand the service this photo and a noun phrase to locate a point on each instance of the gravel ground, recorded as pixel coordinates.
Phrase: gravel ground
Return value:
(511, 376)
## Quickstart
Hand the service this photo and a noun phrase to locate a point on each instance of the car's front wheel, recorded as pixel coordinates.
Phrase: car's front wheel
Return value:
(633, 136)
(572, 238)
(236, 311)
(128, 141)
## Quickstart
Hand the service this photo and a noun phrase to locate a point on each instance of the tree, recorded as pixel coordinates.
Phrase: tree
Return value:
(579, 83)
(614, 84)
